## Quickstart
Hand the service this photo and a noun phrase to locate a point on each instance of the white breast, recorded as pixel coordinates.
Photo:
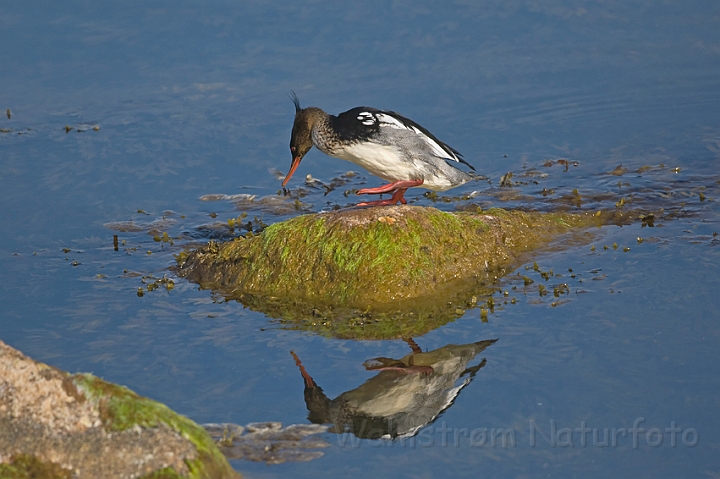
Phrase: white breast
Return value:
(387, 163)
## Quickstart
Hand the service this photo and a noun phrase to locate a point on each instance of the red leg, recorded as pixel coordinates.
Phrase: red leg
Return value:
(395, 185)
(396, 197)
(308, 380)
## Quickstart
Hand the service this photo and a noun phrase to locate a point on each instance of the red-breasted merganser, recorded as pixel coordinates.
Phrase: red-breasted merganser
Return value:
(386, 144)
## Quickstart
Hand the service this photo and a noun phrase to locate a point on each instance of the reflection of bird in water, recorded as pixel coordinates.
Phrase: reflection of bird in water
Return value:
(386, 144)
(404, 396)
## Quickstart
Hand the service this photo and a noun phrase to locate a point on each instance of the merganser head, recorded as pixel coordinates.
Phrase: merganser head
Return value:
(301, 138)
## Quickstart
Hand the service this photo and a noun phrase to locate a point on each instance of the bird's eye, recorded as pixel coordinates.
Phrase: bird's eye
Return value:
(292, 148)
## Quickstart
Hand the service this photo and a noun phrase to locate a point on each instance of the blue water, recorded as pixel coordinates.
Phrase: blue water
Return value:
(191, 99)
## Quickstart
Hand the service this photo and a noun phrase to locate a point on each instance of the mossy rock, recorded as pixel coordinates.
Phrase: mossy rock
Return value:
(314, 268)
(25, 466)
(54, 425)
(121, 409)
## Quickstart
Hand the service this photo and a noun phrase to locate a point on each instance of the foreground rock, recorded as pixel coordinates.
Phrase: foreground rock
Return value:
(415, 260)
(54, 424)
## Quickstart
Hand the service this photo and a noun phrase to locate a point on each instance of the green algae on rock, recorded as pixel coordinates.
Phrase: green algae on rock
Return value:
(121, 409)
(373, 258)
(29, 467)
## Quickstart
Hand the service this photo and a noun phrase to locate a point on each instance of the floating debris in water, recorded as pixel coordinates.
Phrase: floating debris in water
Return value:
(618, 171)
(151, 283)
(222, 197)
(277, 174)
(506, 179)
(165, 238)
(269, 442)
(137, 226)
(314, 182)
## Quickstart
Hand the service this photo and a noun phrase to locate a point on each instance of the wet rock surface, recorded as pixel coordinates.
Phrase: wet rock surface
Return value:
(354, 257)
(377, 273)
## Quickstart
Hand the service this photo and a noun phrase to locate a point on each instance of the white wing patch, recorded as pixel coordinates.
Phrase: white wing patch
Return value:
(366, 118)
(392, 122)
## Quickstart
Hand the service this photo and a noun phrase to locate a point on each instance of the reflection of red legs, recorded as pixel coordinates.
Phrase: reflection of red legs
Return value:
(397, 188)
(411, 360)
(387, 364)
(413, 345)
(308, 380)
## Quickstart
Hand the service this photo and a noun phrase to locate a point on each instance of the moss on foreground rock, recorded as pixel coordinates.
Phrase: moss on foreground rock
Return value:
(407, 269)
(54, 424)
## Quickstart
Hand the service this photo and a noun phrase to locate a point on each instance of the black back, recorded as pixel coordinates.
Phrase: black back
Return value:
(349, 126)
